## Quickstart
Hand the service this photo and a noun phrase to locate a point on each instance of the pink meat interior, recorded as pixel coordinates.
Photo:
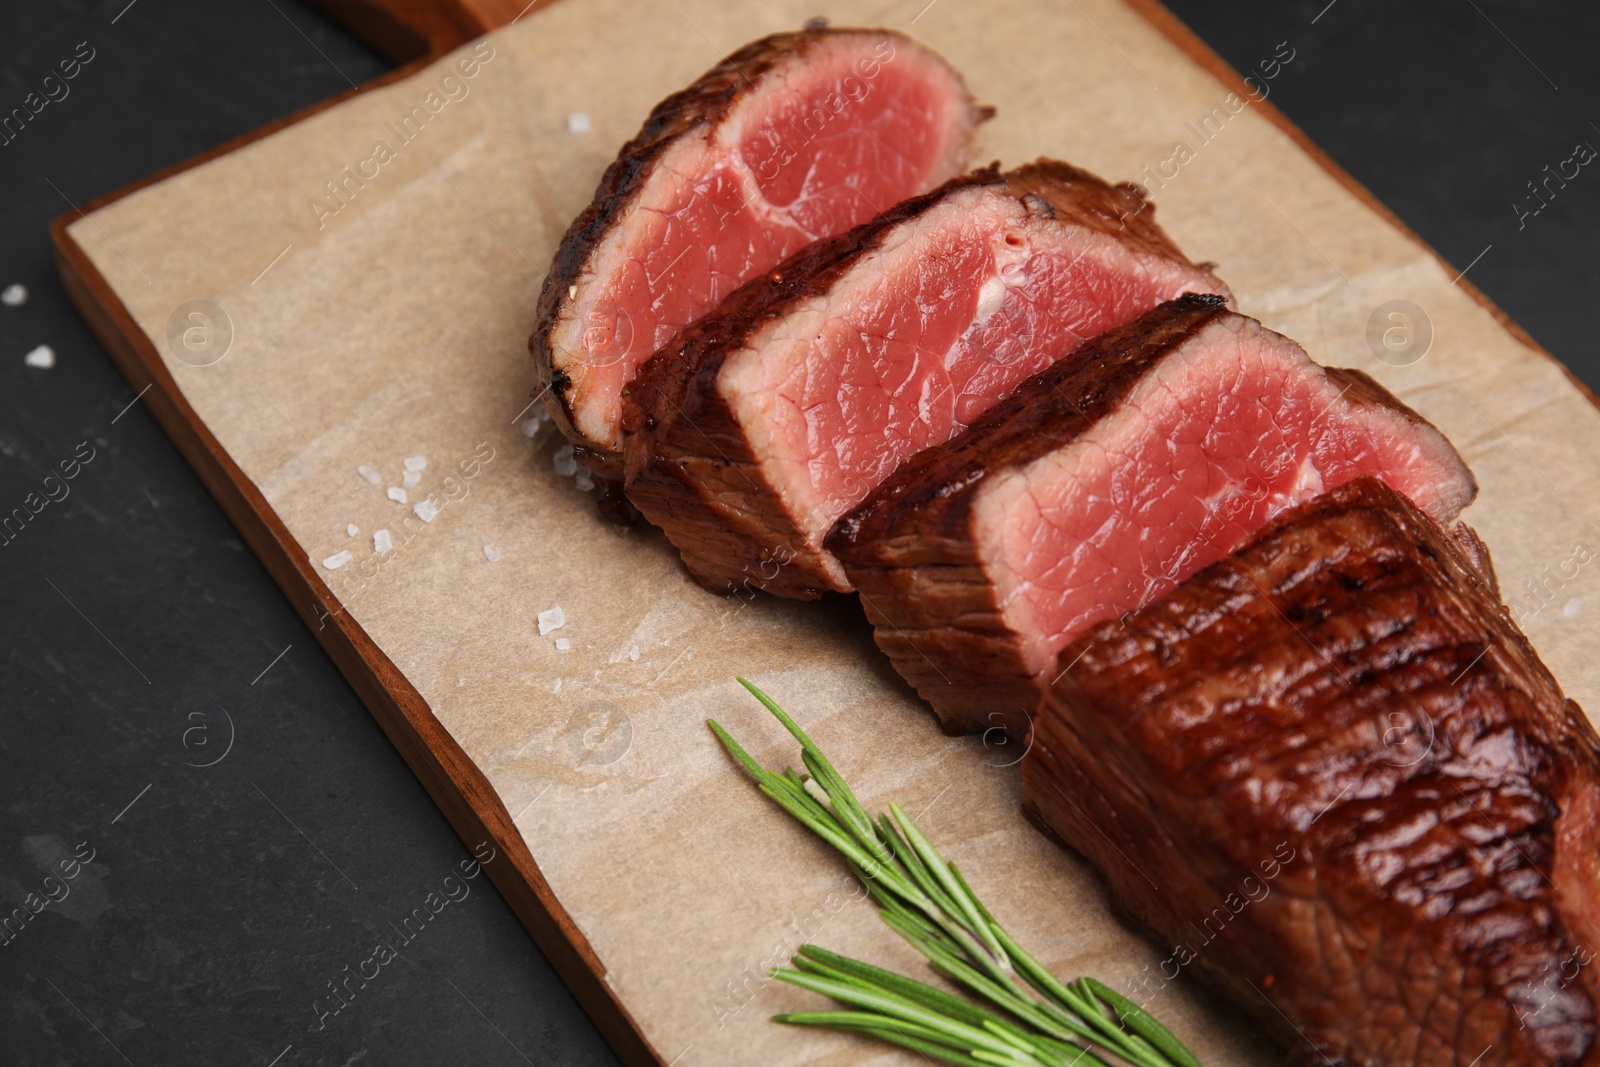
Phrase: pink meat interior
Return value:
(953, 310)
(851, 127)
(1230, 428)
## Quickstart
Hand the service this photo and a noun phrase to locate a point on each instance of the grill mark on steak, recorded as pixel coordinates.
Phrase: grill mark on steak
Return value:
(722, 102)
(1345, 690)
(1101, 483)
(746, 474)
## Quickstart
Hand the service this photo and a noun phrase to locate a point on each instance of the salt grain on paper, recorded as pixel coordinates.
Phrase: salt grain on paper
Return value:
(565, 463)
(578, 122)
(43, 357)
(382, 542)
(633, 653)
(416, 463)
(1572, 607)
(554, 619)
(337, 560)
(584, 480)
(426, 510)
(14, 295)
(369, 474)
(351, 530)
(409, 479)
(397, 494)
(562, 644)
(491, 553)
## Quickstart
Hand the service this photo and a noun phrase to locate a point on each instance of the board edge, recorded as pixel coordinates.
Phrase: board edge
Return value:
(1191, 44)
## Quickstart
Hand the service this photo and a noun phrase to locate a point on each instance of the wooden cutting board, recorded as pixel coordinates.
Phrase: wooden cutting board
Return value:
(414, 34)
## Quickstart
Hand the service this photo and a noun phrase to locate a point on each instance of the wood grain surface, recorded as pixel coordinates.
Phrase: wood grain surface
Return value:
(411, 33)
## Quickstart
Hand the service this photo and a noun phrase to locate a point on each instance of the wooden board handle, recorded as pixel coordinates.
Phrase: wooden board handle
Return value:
(403, 31)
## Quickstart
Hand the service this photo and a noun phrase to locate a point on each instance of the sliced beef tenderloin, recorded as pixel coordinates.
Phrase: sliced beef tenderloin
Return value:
(794, 137)
(751, 432)
(1100, 484)
(1331, 778)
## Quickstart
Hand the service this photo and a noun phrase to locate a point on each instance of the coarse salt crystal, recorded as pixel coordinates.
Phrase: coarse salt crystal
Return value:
(351, 530)
(426, 510)
(554, 619)
(382, 542)
(564, 462)
(416, 463)
(491, 553)
(337, 560)
(562, 644)
(633, 653)
(530, 427)
(1572, 607)
(397, 494)
(14, 295)
(409, 479)
(366, 471)
(578, 122)
(43, 357)
(584, 480)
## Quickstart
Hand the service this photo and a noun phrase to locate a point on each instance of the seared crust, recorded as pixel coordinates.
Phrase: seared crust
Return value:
(688, 465)
(1368, 809)
(909, 548)
(1040, 416)
(705, 103)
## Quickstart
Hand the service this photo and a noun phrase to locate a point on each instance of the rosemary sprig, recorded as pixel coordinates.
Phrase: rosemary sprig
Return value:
(1032, 1019)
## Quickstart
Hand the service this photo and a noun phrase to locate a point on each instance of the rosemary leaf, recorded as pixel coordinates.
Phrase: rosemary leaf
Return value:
(941, 871)
(910, 988)
(1143, 1023)
(758, 772)
(875, 1026)
(1043, 1022)
(1075, 1009)
(845, 799)
(897, 1007)
(955, 872)
(1056, 1024)
(912, 862)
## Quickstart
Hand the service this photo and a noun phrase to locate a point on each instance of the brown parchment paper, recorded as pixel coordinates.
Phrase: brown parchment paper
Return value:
(396, 326)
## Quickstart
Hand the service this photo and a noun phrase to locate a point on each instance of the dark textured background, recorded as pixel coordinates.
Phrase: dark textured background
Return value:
(136, 626)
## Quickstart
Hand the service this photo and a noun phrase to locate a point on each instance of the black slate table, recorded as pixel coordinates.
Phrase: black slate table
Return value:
(249, 831)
